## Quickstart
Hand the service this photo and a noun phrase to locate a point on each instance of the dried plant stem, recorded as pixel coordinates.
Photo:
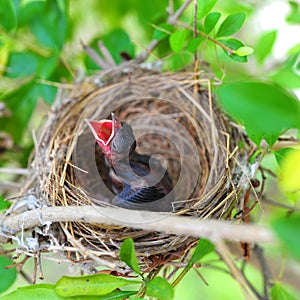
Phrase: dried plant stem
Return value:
(235, 272)
(211, 229)
(95, 56)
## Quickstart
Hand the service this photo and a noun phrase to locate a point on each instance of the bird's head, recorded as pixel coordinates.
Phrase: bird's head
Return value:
(115, 138)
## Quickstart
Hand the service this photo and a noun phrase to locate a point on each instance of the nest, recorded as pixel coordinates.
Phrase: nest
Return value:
(204, 154)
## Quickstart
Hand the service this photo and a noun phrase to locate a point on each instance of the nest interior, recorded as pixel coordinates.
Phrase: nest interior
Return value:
(200, 147)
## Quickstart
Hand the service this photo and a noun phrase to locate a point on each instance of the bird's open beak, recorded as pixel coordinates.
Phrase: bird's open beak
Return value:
(104, 130)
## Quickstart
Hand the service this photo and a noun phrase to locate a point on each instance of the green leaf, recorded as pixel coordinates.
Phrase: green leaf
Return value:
(116, 295)
(265, 109)
(177, 40)
(203, 247)
(265, 45)
(194, 44)
(8, 16)
(211, 21)
(42, 27)
(294, 15)
(294, 50)
(3, 203)
(281, 154)
(28, 11)
(204, 7)
(290, 172)
(159, 288)
(127, 254)
(22, 64)
(99, 284)
(177, 61)
(288, 230)
(33, 292)
(162, 31)
(244, 51)
(7, 276)
(233, 45)
(232, 24)
(116, 41)
(278, 292)
(287, 75)
(46, 92)
(21, 103)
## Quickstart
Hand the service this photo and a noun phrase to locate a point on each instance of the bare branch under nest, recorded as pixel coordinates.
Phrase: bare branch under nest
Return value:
(149, 221)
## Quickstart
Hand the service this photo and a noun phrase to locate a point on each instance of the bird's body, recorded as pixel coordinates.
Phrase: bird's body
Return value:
(139, 181)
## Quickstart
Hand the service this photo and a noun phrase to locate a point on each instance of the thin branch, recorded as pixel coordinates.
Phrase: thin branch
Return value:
(56, 84)
(196, 62)
(10, 185)
(171, 7)
(94, 56)
(172, 19)
(267, 275)
(106, 54)
(149, 221)
(279, 204)
(235, 272)
(19, 171)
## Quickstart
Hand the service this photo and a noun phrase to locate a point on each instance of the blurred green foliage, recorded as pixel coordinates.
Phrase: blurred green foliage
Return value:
(40, 46)
(7, 276)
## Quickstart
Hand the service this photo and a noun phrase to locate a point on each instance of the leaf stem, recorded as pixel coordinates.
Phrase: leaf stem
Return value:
(215, 41)
(180, 276)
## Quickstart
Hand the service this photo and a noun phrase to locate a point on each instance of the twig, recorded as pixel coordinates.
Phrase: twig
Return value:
(196, 62)
(10, 185)
(56, 84)
(171, 7)
(26, 277)
(94, 56)
(267, 276)
(172, 19)
(285, 142)
(235, 272)
(19, 171)
(150, 221)
(279, 204)
(195, 31)
(108, 57)
(201, 277)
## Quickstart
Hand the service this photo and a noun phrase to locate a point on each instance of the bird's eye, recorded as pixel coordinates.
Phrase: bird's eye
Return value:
(114, 145)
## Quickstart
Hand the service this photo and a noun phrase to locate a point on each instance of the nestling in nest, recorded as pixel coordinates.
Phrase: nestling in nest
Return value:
(203, 154)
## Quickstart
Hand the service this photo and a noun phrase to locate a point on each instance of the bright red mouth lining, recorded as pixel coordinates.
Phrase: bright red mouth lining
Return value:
(105, 131)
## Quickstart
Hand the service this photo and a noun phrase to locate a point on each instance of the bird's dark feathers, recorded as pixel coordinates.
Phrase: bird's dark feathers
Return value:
(128, 179)
(142, 195)
(124, 141)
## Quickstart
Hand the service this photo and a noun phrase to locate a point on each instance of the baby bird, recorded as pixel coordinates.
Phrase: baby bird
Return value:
(140, 181)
